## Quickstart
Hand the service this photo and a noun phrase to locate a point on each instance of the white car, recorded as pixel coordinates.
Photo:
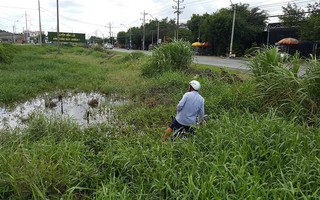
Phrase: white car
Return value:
(108, 46)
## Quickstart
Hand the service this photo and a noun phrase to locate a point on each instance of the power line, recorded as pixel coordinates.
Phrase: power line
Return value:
(278, 4)
(13, 7)
(285, 15)
(75, 20)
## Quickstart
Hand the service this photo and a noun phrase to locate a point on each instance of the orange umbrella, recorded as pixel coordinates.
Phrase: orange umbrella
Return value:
(288, 41)
(205, 44)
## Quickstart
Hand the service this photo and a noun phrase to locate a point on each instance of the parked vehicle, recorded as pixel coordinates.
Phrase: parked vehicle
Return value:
(108, 46)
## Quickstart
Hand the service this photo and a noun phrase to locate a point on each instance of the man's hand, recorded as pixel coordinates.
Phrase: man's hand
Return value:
(166, 135)
(164, 138)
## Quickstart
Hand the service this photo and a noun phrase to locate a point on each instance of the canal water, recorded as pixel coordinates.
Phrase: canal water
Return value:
(83, 108)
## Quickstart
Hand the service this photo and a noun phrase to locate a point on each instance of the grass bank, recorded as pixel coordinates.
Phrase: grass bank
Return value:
(242, 153)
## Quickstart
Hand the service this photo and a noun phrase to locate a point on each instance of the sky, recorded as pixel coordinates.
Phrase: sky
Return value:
(105, 18)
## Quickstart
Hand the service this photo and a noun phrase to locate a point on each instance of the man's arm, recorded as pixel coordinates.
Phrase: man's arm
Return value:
(181, 102)
(201, 113)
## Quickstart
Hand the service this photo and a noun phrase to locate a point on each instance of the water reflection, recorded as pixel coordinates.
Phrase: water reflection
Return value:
(82, 108)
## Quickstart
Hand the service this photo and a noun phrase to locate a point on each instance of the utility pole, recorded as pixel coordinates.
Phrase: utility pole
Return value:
(40, 36)
(178, 12)
(158, 32)
(144, 28)
(14, 31)
(110, 34)
(58, 34)
(129, 35)
(158, 29)
(26, 33)
(233, 23)
(199, 35)
(268, 35)
(152, 37)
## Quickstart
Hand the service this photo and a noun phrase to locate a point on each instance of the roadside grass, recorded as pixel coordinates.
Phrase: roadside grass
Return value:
(241, 153)
(44, 71)
(287, 84)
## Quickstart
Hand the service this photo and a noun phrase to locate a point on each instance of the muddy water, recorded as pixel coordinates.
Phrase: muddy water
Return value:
(83, 108)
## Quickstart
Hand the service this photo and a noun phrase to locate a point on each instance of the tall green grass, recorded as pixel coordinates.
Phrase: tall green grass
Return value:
(236, 156)
(243, 152)
(289, 85)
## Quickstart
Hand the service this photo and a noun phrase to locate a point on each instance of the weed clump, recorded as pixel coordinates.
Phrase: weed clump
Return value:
(97, 47)
(173, 56)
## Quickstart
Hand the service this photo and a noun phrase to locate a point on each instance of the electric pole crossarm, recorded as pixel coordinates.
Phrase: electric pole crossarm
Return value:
(178, 12)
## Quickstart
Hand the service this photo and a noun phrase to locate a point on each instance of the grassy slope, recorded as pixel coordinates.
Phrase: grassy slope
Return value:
(239, 154)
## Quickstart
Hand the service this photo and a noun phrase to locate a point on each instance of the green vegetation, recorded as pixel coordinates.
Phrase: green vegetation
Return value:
(245, 151)
(173, 56)
(37, 70)
(287, 84)
(7, 52)
(215, 28)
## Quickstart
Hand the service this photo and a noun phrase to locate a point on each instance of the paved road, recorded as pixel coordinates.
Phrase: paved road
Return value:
(231, 63)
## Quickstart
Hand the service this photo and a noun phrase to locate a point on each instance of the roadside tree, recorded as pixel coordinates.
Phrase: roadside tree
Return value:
(249, 25)
(292, 15)
(310, 30)
(122, 38)
(194, 25)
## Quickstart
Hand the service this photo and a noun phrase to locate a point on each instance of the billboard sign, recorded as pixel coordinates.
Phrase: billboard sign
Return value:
(67, 37)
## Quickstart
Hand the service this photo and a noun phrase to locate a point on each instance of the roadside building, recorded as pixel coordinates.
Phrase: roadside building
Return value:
(11, 38)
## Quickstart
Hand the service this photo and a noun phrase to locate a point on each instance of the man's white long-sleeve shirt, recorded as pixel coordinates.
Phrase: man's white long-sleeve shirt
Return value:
(189, 107)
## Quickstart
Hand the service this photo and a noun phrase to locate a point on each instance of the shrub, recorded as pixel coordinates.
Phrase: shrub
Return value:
(7, 52)
(264, 61)
(173, 56)
(287, 84)
(97, 47)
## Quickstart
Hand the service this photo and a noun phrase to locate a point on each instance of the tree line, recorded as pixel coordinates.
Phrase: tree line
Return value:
(215, 28)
